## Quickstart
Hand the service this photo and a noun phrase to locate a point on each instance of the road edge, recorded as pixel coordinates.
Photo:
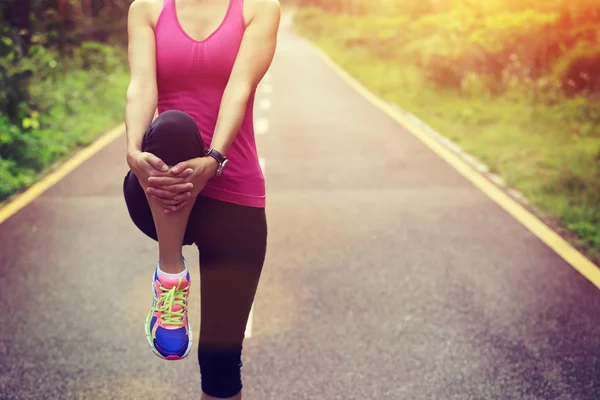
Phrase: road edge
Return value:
(13, 206)
(411, 123)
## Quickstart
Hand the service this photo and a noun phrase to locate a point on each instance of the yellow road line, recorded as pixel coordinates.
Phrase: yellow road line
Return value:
(565, 250)
(48, 181)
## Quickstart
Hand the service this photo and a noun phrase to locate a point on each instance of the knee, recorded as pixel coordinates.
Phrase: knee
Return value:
(175, 127)
(220, 370)
(174, 137)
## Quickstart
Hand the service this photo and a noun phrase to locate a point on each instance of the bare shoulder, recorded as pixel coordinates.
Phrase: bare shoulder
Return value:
(147, 10)
(265, 10)
(144, 6)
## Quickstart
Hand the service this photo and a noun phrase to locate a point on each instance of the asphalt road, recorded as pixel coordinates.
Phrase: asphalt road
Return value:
(388, 276)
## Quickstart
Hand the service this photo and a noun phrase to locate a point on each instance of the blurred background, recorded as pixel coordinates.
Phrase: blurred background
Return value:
(515, 83)
(63, 76)
(388, 278)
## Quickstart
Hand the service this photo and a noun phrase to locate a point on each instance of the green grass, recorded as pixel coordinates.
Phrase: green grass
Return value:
(81, 106)
(531, 145)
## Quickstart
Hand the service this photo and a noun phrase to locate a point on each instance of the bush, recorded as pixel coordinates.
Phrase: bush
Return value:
(578, 70)
(63, 111)
(512, 46)
(62, 81)
(515, 86)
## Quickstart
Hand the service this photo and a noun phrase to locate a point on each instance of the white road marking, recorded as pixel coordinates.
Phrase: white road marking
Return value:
(261, 126)
(248, 332)
(264, 104)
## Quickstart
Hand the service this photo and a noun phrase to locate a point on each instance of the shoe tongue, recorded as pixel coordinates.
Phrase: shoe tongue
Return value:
(169, 283)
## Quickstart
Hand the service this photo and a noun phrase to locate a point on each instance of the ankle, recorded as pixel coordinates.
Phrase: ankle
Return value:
(172, 266)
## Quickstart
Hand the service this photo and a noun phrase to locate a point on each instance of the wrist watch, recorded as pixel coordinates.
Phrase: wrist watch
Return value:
(221, 159)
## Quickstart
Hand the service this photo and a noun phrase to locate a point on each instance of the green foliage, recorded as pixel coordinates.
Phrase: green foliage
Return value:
(77, 108)
(515, 83)
(18, 73)
(13, 91)
(510, 48)
(578, 70)
(62, 81)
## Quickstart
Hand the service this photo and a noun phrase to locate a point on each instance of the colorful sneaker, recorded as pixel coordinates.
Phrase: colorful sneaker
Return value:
(167, 328)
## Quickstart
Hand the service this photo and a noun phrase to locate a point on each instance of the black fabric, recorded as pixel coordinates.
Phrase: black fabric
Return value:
(220, 371)
(173, 137)
(231, 241)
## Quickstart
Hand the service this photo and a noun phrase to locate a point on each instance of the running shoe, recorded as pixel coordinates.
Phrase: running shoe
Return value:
(168, 330)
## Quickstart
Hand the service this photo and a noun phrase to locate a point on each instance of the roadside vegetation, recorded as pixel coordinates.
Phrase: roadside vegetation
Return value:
(63, 78)
(516, 83)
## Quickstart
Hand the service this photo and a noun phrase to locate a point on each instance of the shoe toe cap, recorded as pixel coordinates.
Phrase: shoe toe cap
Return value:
(171, 342)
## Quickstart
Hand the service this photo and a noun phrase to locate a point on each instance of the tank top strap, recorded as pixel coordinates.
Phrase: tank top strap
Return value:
(166, 14)
(237, 12)
(165, 5)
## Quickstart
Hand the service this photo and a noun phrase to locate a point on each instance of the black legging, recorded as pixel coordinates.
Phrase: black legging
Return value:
(231, 240)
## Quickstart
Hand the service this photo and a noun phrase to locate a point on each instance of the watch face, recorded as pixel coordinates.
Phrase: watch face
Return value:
(221, 167)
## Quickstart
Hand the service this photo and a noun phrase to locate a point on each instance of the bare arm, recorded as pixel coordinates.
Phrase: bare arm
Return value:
(142, 92)
(252, 62)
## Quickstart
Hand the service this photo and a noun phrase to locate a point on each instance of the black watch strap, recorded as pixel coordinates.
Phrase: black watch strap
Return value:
(221, 159)
(216, 155)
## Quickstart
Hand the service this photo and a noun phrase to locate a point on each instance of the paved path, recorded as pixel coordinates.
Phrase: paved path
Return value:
(389, 276)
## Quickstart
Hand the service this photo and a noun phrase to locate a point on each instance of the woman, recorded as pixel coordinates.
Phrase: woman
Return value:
(194, 173)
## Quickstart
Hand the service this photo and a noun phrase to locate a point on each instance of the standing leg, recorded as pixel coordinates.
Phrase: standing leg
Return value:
(232, 244)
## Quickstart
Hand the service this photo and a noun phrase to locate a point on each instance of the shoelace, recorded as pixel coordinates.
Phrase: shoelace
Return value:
(170, 298)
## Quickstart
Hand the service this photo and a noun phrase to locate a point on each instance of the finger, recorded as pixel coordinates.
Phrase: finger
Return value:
(159, 181)
(177, 207)
(173, 189)
(180, 167)
(164, 202)
(179, 198)
(160, 193)
(174, 201)
(182, 173)
(156, 162)
(178, 188)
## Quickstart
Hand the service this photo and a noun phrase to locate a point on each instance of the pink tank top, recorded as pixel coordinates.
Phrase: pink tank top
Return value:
(191, 77)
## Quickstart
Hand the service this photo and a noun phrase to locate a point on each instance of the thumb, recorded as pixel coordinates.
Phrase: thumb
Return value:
(182, 166)
(156, 162)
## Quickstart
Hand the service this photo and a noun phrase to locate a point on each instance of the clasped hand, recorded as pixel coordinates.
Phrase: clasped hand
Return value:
(173, 187)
